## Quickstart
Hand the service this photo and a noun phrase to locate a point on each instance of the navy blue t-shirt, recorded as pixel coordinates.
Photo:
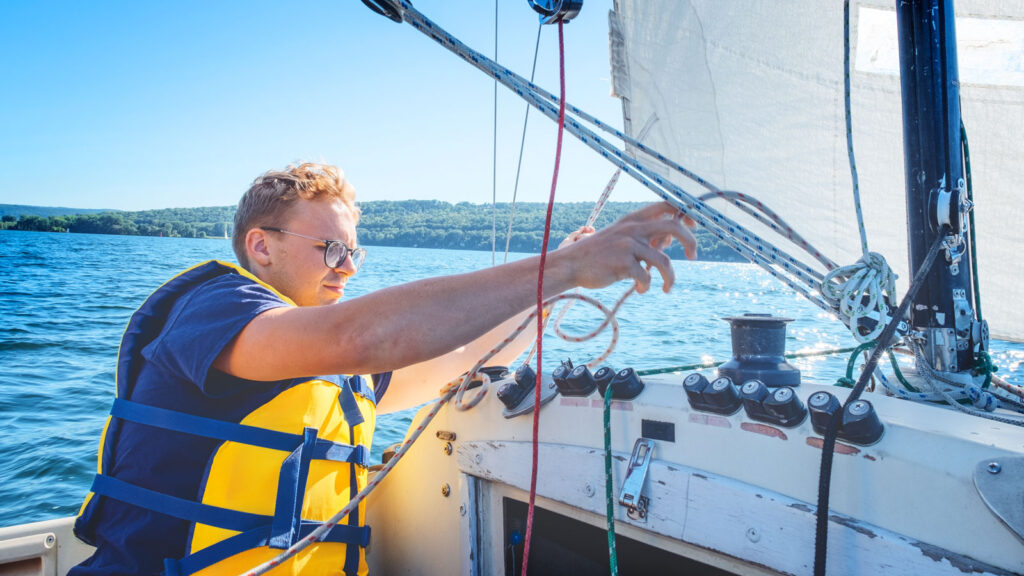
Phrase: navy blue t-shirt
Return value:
(176, 373)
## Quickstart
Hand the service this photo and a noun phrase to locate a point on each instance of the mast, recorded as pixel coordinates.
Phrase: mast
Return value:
(937, 201)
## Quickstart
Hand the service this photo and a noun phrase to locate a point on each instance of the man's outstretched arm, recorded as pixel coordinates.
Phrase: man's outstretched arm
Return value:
(411, 323)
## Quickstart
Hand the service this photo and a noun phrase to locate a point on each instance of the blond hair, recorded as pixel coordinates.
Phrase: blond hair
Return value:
(273, 193)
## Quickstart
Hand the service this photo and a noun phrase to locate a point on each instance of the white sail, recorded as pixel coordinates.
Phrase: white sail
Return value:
(750, 95)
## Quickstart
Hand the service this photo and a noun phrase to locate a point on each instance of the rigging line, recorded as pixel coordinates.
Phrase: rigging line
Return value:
(829, 441)
(541, 99)
(984, 401)
(849, 127)
(774, 222)
(613, 556)
(540, 298)
(522, 143)
(970, 198)
(803, 272)
(599, 205)
(685, 202)
(681, 199)
(494, 151)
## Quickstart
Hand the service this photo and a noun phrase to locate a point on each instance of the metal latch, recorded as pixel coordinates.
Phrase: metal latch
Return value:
(630, 496)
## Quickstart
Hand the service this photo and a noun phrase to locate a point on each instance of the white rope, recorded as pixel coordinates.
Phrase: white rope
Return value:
(983, 401)
(862, 291)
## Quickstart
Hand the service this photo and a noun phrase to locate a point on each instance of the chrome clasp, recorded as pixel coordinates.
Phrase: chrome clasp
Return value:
(631, 496)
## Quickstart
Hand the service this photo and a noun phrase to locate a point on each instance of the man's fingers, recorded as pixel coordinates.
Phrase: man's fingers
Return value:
(650, 212)
(641, 276)
(658, 231)
(658, 259)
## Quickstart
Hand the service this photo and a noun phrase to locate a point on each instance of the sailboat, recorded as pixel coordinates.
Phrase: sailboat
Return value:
(751, 468)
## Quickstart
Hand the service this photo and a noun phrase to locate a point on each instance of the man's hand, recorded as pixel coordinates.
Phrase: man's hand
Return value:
(629, 248)
(574, 236)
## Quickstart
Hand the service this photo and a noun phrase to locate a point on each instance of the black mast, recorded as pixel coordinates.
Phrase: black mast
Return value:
(936, 195)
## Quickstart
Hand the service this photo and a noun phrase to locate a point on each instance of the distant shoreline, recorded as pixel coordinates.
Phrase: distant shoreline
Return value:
(401, 224)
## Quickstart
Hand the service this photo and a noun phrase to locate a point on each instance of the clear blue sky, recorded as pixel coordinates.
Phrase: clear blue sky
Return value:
(140, 105)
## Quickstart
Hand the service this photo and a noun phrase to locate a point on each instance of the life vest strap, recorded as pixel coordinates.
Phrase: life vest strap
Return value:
(177, 507)
(342, 534)
(360, 386)
(233, 432)
(291, 488)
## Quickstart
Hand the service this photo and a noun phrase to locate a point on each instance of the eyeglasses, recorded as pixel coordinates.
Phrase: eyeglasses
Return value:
(335, 251)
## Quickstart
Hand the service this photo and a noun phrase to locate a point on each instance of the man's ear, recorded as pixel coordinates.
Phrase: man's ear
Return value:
(256, 247)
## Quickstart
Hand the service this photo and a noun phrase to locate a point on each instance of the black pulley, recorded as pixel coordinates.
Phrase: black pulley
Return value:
(552, 11)
(391, 9)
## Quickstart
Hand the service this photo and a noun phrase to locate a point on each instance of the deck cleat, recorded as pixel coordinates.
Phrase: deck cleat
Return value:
(785, 407)
(519, 394)
(626, 385)
(603, 377)
(579, 382)
(752, 395)
(822, 406)
(861, 424)
(694, 386)
(562, 372)
(719, 396)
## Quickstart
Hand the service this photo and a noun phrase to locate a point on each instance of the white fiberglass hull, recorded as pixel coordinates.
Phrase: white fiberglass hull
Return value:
(728, 491)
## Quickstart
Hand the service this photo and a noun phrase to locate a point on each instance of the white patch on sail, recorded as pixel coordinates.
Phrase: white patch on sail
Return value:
(990, 51)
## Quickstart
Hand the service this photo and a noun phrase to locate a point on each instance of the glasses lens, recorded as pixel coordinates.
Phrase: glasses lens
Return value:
(357, 256)
(334, 254)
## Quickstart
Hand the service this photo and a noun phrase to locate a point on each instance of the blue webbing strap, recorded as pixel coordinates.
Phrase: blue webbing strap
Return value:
(352, 553)
(240, 433)
(177, 507)
(347, 401)
(291, 488)
(340, 534)
(359, 386)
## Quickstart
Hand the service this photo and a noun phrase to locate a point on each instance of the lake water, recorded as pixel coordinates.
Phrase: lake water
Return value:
(66, 298)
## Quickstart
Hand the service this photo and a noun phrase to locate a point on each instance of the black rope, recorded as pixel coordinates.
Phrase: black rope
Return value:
(829, 444)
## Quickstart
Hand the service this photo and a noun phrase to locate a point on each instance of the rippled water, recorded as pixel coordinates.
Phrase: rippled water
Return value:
(66, 298)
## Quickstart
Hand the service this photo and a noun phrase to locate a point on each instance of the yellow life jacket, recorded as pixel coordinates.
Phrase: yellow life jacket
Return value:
(285, 468)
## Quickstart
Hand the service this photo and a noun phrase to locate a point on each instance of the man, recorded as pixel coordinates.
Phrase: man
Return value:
(225, 443)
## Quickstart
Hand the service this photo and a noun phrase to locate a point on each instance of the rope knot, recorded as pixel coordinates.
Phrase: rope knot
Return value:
(863, 290)
(982, 399)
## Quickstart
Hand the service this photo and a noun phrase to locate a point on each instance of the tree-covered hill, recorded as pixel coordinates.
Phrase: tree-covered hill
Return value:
(410, 223)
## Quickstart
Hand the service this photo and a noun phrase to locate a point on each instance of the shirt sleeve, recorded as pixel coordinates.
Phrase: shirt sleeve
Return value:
(381, 382)
(202, 323)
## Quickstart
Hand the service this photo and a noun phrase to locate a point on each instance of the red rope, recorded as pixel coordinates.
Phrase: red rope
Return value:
(540, 298)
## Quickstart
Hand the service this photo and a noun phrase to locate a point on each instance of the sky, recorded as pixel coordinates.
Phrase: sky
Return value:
(145, 105)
